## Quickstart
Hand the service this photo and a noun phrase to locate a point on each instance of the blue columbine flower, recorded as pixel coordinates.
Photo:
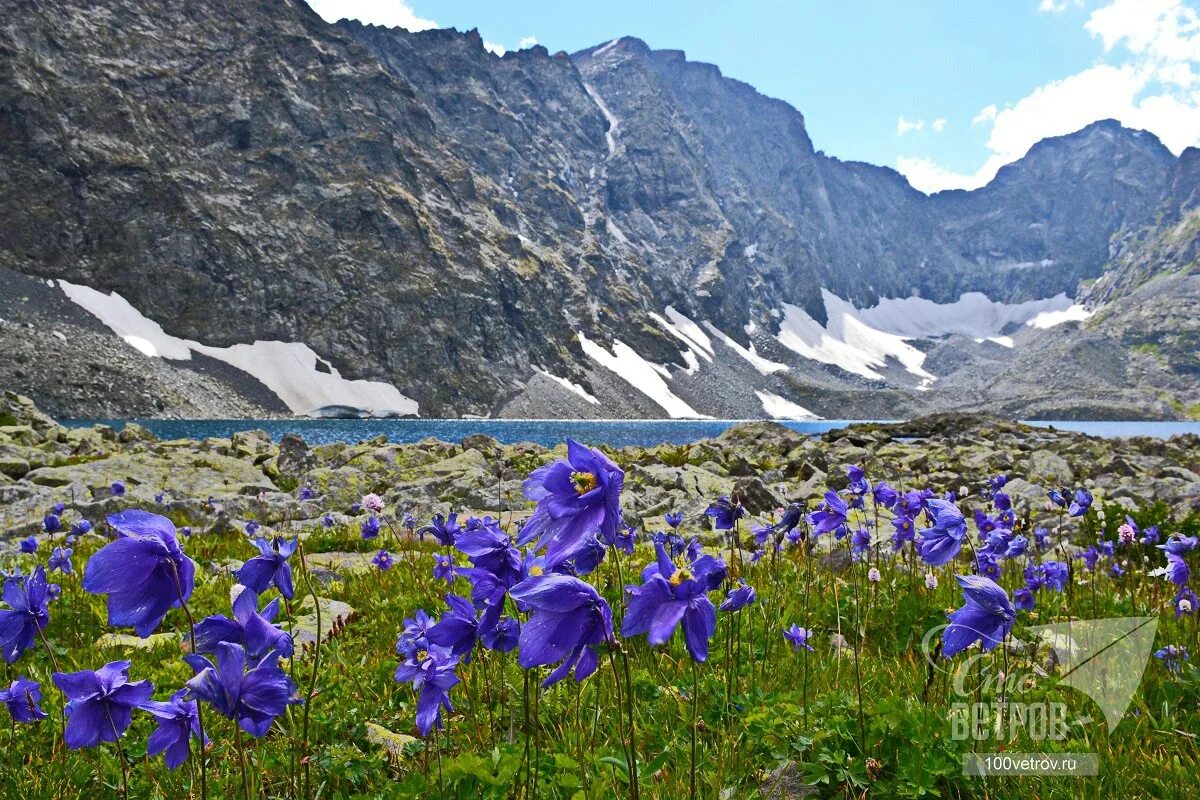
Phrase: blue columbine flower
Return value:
(29, 544)
(674, 518)
(986, 617)
(738, 597)
(858, 486)
(1185, 602)
(23, 700)
(117, 488)
(1178, 544)
(327, 520)
(1058, 497)
(26, 615)
(1178, 572)
(415, 634)
(576, 498)
(1023, 600)
(431, 672)
(269, 567)
(568, 621)
(793, 515)
(253, 693)
(100, 704)
(51, 523)
(1017, 546)
(81, 527)
(1172, 656)
(144, 572)
(671, 595)
(905, 529)
(178, 721)
(503, 636)
(444, 529)
(1090, 557)
(370, 528)
(306, 492)
(622, 539)
(383, 560)
(60, 560)
(1080, 505)
(725, 513)
(885, 495)
(831, 516)
(251, 628)
(458, 628)
(587, 557)
(941, 542)
(443, 568)
(798, 637)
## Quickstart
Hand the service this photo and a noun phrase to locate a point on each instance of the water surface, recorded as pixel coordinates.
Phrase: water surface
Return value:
(616, 433)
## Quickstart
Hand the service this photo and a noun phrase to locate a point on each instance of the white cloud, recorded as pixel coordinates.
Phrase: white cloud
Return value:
(939, 124)
(1058, 6)
(986, 114)
(492, 47)
(390, 13)
(903, 125)
(1148, 81)
(527, 42)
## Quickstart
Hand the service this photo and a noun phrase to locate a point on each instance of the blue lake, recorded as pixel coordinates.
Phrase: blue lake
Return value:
(616, 433)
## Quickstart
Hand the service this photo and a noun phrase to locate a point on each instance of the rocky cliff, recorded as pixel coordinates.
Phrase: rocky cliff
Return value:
(618, 232)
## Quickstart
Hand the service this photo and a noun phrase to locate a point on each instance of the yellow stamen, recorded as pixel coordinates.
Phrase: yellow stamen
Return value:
(680, 575)
(421, 656)
(584, 482)
(536, 570)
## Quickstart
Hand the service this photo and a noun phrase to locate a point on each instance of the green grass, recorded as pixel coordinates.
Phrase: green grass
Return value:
(760, 705)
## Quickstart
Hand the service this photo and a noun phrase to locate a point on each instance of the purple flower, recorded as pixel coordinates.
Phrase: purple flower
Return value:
(725, 513)
(383, 560)
(370, 528)
(986, 617)
(23, 699)
(831, 516)
(1080, 505)
(986, 564)
(858, 485)
(905, 530)
(118, 489)
(29, 544)
(26, 615)
(251, 527)
(373, 503)
(144, 572)
(674, 518)
(798, 637)
(51, 523)
(1057, 497)
(1178, 545)
(178, 721)
(1090, 557)
(458, 628)
(60, 560)
(269, 567)
(307, 493)
(443, 568)
(568, 621)
(432, 675)
(327, 520)
(100, 704)
(1023, 600)
(860, 542)
(254, 693)
(885, 495)
(415, 634)
(252, 629)
(503, 636)
(739, 597)
(576, 498)
(671, 595)
(1016, 547)
(1178, 572)
(444, 529)
(1185, 602)
(1172, 657)
(941, 542)
(81, 527)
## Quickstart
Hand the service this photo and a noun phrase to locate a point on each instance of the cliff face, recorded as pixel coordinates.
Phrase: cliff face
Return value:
(423, 213)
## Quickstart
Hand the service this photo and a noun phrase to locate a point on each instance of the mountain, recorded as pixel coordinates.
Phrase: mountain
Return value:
(315, 218)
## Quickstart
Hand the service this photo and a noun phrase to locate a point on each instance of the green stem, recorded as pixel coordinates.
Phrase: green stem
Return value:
(312, 683)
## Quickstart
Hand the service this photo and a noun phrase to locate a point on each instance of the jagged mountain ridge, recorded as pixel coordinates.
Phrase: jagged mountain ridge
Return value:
(421, 212)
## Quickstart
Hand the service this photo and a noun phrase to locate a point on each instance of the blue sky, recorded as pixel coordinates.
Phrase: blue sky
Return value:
(944, 91)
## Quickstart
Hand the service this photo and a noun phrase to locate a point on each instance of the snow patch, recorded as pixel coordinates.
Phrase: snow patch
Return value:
(1048, 319)
(610, 135)
(763, 365)
(599, 51)
(643, 375)
(861, 341)
(777, 407)
(289, 369)
(568, 385)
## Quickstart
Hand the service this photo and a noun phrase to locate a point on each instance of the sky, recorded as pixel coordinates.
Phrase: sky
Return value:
(946, 92)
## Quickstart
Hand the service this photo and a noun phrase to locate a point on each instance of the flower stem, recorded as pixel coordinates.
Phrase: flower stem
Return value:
(121, 753)
(237, 740)
(695, 722)
(312, 684)
(199, 713)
